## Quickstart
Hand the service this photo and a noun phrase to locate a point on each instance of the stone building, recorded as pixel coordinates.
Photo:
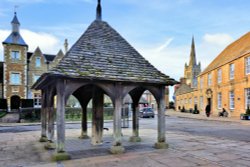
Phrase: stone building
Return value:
(225, 82)
(21, 68)
(185, 91)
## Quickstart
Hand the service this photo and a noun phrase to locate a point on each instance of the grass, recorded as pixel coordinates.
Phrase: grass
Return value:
(2, 114)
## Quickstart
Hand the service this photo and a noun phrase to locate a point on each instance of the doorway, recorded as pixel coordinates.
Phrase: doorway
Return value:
(15, 102)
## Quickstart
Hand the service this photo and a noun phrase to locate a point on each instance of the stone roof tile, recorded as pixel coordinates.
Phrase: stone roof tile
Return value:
(101, 53)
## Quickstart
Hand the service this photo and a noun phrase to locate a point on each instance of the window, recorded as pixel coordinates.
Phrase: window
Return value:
(36, 78)
(219, 76)
(38, 62)
(37, 100)
(231, 71)
(219, 100)
(15, 56)
(195, 100)
(15, 78)
(231, 99)
(209, 79)
(201, 82)
(247, 66)
(247, 97)
(190, 100)
(201, 102)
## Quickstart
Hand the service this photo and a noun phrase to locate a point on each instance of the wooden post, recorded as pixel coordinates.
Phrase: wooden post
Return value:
(84, 131)
(50, 101)
(161, 143)
(60, 122)
(117, 143)
(135, 124)
(97, 117)
(43, 117)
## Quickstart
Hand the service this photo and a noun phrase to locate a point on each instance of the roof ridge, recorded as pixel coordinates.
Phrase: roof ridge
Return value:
(233, 55)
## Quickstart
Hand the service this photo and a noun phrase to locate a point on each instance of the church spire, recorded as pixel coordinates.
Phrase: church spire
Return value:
(15, 24)
(99, 11)
(192, 60)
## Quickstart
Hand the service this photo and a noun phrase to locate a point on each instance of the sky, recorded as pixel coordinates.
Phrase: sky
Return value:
(161, 30)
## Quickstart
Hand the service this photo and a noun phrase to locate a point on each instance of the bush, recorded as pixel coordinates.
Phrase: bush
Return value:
(30, 114)
(183, 109)
(248, 110)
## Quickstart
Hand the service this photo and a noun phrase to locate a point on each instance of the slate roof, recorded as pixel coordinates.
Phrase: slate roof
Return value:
(101, 53)
(48, 57)
(15, 38)
(15, 20)
(184, 88)
(233, 51)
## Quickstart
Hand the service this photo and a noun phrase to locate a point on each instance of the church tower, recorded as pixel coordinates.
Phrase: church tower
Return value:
(15, 64)
(192, 70)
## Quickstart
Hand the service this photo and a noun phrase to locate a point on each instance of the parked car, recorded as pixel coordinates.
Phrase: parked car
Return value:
(147, 113)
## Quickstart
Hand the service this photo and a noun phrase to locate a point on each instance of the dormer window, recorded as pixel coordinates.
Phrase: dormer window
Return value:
(15, 56)
(38, 62)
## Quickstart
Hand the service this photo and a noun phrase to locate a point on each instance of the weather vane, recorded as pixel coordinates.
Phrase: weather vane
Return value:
(15, 8)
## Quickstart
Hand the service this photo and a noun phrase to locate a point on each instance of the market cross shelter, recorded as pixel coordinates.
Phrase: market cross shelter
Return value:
(100, 62)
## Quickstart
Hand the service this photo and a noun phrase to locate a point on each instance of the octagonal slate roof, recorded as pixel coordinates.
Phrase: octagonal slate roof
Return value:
(102, 53)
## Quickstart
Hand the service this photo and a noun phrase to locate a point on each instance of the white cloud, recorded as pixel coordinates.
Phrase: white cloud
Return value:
(48, 43)
(171, 59)
(164, 45)
(211, 46)
(218, 39)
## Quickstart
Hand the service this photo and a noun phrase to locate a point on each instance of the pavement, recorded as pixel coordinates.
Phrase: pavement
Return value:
(185, 150)
(202, 116)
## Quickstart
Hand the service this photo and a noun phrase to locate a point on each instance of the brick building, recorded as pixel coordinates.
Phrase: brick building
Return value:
(21, 68)
(225, 82)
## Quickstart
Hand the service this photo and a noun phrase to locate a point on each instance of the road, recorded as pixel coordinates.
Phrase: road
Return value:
(222, 130)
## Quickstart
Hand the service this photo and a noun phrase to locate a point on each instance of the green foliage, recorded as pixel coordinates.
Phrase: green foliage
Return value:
(31, 114)
(248, 110)
(75, 114)
(2, 114)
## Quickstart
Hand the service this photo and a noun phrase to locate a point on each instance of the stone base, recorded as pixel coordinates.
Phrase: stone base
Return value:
(117, 149)
(84, 137)
(50, 145)
(161, 145)
(62, 156)
(135, 139)
(43, 139)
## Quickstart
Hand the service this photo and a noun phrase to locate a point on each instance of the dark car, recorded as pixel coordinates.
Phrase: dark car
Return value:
(147, 113)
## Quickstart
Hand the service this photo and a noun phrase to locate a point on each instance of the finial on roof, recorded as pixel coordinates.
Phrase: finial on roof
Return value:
(99, 11)
(66, 45)
(15, 23)
(15, 8)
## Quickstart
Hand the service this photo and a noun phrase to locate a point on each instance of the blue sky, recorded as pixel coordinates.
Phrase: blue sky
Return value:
(161, 30)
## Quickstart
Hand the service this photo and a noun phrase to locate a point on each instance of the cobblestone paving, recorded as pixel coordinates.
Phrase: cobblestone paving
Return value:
(22, 149)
